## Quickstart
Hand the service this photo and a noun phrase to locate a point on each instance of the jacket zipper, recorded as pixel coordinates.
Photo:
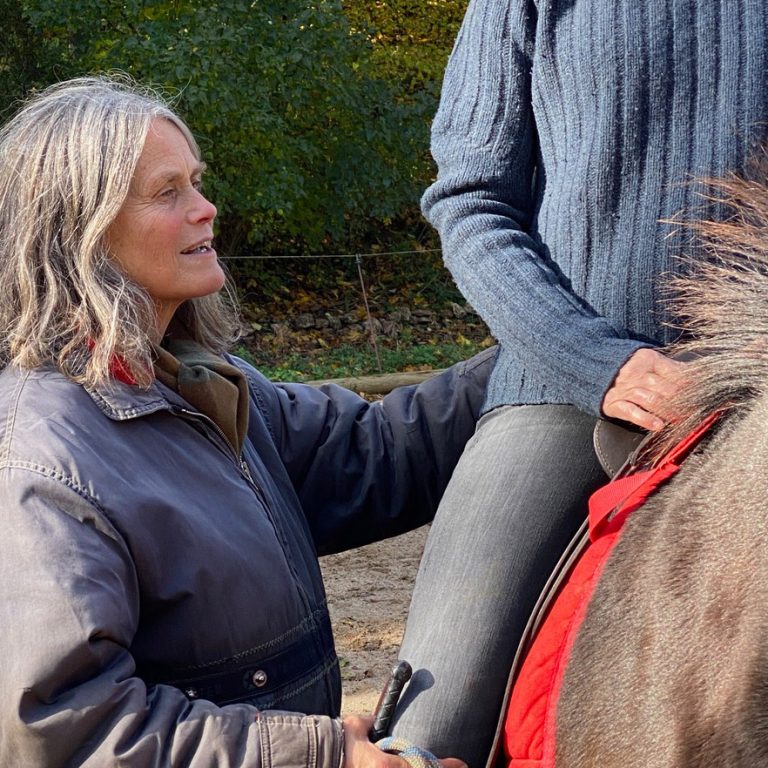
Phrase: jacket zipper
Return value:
(246, 473)
(239, 460)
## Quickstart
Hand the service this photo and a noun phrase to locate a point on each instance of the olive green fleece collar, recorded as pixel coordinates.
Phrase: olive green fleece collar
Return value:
(207, 382)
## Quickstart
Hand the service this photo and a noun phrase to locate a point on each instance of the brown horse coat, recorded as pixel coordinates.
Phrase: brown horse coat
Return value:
(670, 667)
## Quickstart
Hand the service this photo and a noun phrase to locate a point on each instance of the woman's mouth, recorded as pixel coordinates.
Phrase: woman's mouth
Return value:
(203, 247)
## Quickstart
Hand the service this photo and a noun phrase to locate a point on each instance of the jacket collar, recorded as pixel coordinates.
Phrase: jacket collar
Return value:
(121, 402)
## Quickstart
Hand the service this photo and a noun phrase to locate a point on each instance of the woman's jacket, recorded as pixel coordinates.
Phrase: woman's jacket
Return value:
(160, 596)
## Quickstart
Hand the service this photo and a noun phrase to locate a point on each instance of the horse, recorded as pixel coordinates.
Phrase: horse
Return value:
(670, 666)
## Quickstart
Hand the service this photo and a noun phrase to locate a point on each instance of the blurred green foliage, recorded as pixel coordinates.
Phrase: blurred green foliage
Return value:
(410, 40)
(312, 115)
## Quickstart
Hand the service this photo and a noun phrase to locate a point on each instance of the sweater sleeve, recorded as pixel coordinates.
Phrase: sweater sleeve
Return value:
(69, 608)
(484, 140)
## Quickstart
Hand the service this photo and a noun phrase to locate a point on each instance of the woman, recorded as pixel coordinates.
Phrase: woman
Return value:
(162, 502)
(567, 137)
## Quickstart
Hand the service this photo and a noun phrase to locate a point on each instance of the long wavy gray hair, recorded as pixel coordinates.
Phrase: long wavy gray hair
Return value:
(66, 161)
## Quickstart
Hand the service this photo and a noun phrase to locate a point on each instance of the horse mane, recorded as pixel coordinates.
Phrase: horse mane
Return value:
(721, 305)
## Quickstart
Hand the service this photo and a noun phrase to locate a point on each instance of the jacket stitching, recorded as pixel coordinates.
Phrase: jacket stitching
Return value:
(126, 413)
(55, 475)
(264, 740)
(311, 725)
(320, 611)
(255, 390)
(290, 692)
(468, 366)
(11, 420)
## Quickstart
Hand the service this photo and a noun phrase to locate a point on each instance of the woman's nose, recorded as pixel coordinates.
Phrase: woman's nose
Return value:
(203, 209)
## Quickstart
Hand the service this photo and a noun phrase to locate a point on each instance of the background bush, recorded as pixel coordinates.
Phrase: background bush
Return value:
(313, 116)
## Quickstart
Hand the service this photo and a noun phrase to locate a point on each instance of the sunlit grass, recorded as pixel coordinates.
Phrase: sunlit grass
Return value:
(348, 361)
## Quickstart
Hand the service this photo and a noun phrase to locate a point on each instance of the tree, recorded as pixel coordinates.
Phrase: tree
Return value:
(307, 143)
(411, 39)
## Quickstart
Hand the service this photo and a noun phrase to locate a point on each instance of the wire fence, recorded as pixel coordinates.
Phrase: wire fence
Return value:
(265, 256)
(372, 332)
(358, 257)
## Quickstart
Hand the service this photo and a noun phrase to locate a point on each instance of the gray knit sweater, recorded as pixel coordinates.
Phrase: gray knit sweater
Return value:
(567, 130)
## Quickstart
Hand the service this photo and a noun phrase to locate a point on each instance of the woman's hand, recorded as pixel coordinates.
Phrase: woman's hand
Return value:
(643, 386)
(359, 752)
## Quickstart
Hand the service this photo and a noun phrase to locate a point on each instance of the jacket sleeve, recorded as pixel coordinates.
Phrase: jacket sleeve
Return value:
(365, 471)
(484, 140)
(69, 607)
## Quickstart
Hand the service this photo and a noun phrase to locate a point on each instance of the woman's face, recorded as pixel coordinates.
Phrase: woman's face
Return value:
(161, 237)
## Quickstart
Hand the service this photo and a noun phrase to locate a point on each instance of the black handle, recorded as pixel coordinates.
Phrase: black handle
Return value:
(382, 715)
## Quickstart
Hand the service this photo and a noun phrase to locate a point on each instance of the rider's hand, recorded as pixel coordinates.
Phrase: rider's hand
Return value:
(640, 392)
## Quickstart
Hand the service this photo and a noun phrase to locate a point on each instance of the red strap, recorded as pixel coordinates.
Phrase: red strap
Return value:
(532, 711)
(610, 505)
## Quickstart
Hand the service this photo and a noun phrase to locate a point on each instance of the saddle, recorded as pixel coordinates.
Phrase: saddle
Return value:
(617, 445)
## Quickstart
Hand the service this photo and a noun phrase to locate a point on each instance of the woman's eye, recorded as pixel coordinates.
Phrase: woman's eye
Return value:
(197, 184)
(168, 193)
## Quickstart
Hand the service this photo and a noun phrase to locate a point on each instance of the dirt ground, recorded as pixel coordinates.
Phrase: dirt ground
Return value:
(369, 590)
